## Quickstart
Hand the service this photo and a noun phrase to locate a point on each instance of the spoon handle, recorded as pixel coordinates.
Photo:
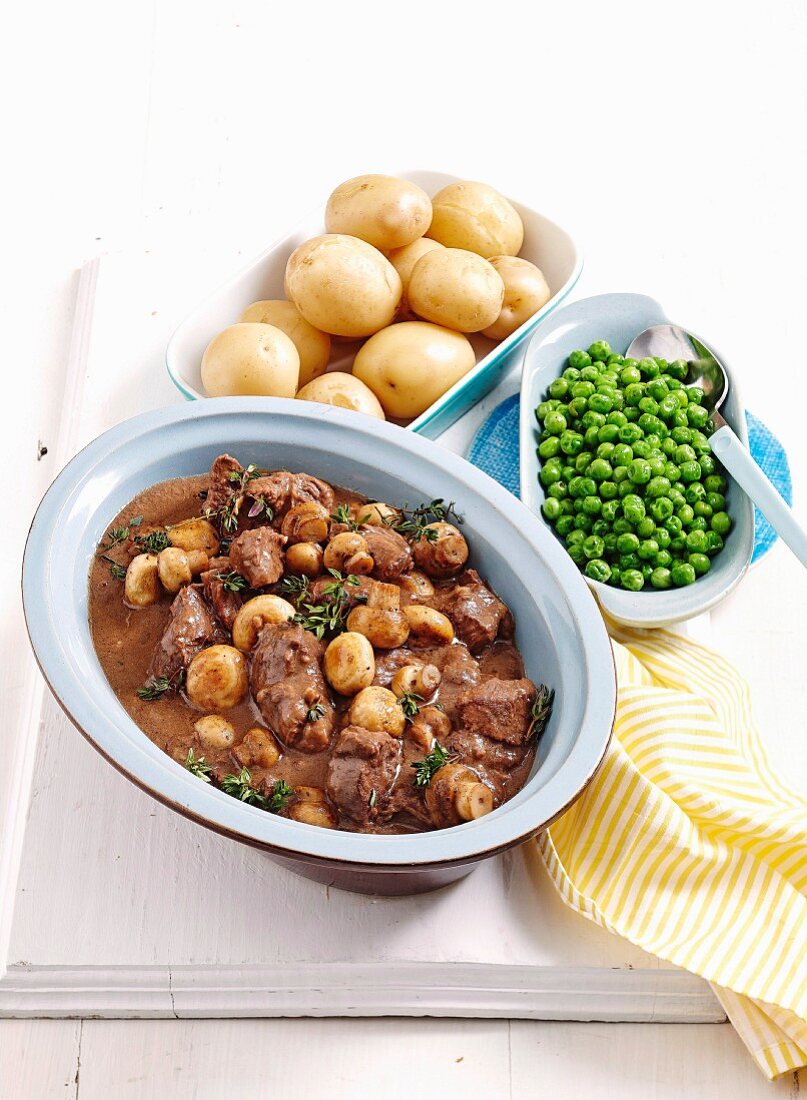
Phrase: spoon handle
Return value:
(738, 461)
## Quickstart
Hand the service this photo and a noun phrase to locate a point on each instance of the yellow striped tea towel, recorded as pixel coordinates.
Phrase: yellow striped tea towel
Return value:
(688, 845)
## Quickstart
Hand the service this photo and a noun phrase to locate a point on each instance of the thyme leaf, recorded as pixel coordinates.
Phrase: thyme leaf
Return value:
(240, 787)
(118, 571)
(425, 769)
(541, 710)
(330, 614)
(294, 587)
(314, 713)
(414, 522)
(281, 793)
(232, 581)
(153, 543)
(156, 686)
(410, 704)
(198, 766)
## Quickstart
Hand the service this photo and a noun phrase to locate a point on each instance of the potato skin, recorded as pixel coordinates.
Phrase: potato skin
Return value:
(384, 211)
(343, 285)
(475, 216)
(344, 390)
(456, 288)
(525, 292)
(409, 365)
(313, 346)
(404, 260)
(251, 358)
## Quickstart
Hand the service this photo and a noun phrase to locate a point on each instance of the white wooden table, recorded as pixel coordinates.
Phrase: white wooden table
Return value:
(209, 129)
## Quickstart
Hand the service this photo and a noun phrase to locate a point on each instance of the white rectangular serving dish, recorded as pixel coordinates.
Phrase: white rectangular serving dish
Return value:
(545, 244)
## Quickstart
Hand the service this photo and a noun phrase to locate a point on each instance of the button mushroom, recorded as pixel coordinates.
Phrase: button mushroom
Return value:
(259, 749)
(255, 614)
(304, 558)
(377, 709)
(306, 522)
(441, 551)
(349, 663)
(142, 587)
(381, 620)
(430, 724)
(195, 534)
(217, 678)
(348, 552)
(417, 586)
(174, 568)
(422, 680)
(456, 794)
(427, 626)
(214, 731)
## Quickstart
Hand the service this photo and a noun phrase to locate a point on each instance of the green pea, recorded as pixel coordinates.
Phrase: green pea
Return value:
(664, 558)
(672, 472)
(600, 403)
(622, 526)
(716, 501)
(715, 543)
(592, 547)
(632, 579)
(672, 383)
(633, 508)
(700, 443)
(591, 373)
(661, 509)
(571, 374)
(591, 436)
(629, 376)
(600, 469)
(684, 453)
(685, 513)
(661, 578)
(608, 490)
(567, 506)
(568, 472)
(631, 413)
(625, 488)
(678, 546)
(682, 574)
(550, 447)
(559, 388)
(565, 525)
(551, 509)
(648, 548)
(610, 508)
(575, 536)
(668, 406)
(645, 527)
(639, 471)
(694, 395)
(627, 543)
(650, 423)
(583, 389)
(620, 474)
(697, 415)
(598, 570)
(690, 471)
(549, 475)
(715, 483)
(622, 455)
(579, 359)
(592, 506)
(657, 465)
(721, 523)
(634, 393)
(668, 447)
(605, 450)
(708, 464)
(583, 522)
(608, 433)
(658, 389)
(600, 349)
(679, 419)
(575, 552)
(653, 441)
(571, 443)
(700, 563)
(583, 461)
(615, 574)
(673, 524)
(615, 357)
(662, 537)
(697, 542)
(600, 528)
(577, 406)
(555, 423)
(694, 493)
(702, 508)
(641, 448)
(560, 490)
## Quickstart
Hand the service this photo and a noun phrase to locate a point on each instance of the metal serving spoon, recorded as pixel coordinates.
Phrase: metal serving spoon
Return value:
(672, 342)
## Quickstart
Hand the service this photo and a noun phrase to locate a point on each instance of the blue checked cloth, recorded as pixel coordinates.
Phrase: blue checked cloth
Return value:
(495, 450)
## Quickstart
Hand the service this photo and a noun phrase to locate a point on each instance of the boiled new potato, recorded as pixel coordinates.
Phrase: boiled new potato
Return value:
(217, 678)
(456, 288)
(525, 292)
(409, 365)
(337, 388)
(404, 260)
(313, 346)
(382, 210)
(251, 358)
(475, 216)
(343, 285)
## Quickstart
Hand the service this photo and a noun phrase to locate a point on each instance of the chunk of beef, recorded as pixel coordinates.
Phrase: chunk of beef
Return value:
(458, 671)
(476, 612)
(354, 593)
(388, 661)
(226, 604)
(362, 763)
(498, 709)
(221, 489)
(281, 490)
(289, 688)
(258, 556)
(190, 628)
(390, 552)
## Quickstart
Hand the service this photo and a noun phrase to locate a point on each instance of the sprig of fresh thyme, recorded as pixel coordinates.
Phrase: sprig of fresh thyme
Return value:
(414, 522)
(410, 704)
(116, 535)
(426, 768)
(156, 686)
(540, 710)
(232, 581)
(330, 614)
(198, 766)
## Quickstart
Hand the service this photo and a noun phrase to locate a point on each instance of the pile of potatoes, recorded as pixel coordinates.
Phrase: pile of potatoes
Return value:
(409, 276)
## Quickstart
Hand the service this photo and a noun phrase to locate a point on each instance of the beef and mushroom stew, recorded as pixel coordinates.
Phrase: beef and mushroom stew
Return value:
(322, 657)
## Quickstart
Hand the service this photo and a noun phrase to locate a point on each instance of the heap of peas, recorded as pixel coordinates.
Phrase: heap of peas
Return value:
(632, 488)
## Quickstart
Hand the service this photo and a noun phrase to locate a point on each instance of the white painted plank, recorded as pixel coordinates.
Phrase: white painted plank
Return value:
(39, 1059)
(219, 1060)
(637, 1062)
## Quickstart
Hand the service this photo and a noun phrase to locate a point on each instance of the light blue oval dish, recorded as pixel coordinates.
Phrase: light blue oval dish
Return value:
(617, 318)
(559, 629)
(545, 244)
